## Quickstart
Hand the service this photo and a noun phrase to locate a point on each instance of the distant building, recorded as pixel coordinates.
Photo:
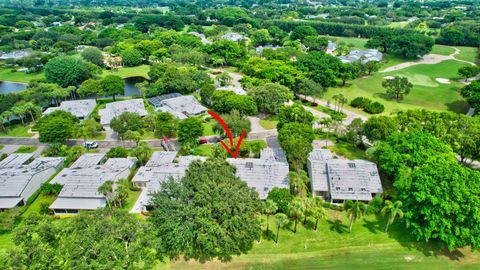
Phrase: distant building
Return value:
(234, 37)
(260, 49)
(331, 47)
(159, 168)
(338, 180)
(202, 37)
(116, 108)
(364, 56)
(19, 180)
(14, 55)
(79, 108)
(264, 173)
(180, 106)
(82, 180)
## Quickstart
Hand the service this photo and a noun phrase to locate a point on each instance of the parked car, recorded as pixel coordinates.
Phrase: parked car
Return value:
(90, 144)
(203, 141)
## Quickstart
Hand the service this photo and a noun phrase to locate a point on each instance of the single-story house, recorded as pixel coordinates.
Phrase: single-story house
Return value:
(161, 167)
(338, 180)
(259, 49)
(14, 55)
(264, 173)
(82, 180)
(180, 106)
(234, 37)
(19, 180)
(79, 108)
(364, 56)
(116, 108)
(202, 37)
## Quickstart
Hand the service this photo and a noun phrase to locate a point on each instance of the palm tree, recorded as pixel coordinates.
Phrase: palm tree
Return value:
(318, 211)
(7, 115)
(336, 97)
(391, 210)
(326, 122)
(308, 204)
(295, 210)
(31, 109)
(220, 61)
(106, 189)
(81, 130)
(298, 183)
(270, 209)
(354, 210)
(281, 219)
(342, 100)
(2, 119)
(20, 111)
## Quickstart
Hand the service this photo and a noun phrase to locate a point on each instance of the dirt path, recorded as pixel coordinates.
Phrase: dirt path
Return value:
(429, 59)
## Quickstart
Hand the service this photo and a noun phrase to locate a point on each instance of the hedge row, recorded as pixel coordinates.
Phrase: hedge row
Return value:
(367, 105)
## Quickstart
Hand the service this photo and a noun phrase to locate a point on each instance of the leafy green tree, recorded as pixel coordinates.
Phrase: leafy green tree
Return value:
(318, 211)
(236, 122)
(90, 88)
(20, 111)
(294, 114)
(127, 121)
(106, 188)
(68, 71)
(471, 93)
(165, 125)
(112, 85)
(379, 127)
(8, 218)
(282, 197)
(282, 220)
(295, 211)
(299, 182)
(468, 71)
(117, 152)
(315, 43)
(411, 45)
(270, 208)
(347, 72)
(302, 31)
(391, 211)
(308, 87)
(64, 46)
(93, 55)
(354, 211)
(189, 130)
(397, 87)
(228, 50)
(322, 68)
(142, 152)
(133, 136)
(296, 139)
(131, 57)
(270, 97)
(210, 207)
(261, 37)
(56, 127)
(224, 101)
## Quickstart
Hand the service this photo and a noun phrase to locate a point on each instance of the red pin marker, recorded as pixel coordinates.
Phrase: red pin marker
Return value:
(229, 134)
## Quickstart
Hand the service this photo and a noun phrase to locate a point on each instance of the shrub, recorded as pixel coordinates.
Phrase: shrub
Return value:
(48, 189)
(117, 152)
(360, 102)
(374, 108)
(3, 156)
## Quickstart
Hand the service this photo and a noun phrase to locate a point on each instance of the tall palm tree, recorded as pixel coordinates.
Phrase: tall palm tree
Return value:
(31, 109)
(391, 210)
(298, 183)
(7, 115)
(106, 189)
(354, 210)
(270, 209)
(20, 111)
(336, 98)
(308, 205)
(326, 122)
(318, 211)
(281, 219)
(295, 210)
(342, 101)
(2, 119)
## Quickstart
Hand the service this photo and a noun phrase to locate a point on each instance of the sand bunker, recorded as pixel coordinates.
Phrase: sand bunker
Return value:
(443, 80)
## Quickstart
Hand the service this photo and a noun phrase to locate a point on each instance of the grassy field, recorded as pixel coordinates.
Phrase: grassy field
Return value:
(7, 74)
(125, 72)
(208, 128)
(467, 54)
(442, 50)
(426, 92)
(16, 131)
(269, 122)
(358, 43)
(25, 149)
(332, 247)
(348, 150)
(203, 150)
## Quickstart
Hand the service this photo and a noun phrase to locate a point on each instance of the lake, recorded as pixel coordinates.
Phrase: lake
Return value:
(130, 89)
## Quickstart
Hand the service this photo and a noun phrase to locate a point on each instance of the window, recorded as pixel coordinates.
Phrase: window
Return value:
(350, 189)
(352, 165)
(337, 188)
(249, 165)
(363, 189)
(265, 189)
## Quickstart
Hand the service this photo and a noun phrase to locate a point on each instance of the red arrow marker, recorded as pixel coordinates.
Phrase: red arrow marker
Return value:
(229, 134)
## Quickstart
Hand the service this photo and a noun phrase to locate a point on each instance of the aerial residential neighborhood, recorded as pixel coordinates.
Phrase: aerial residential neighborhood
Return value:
(166, 134)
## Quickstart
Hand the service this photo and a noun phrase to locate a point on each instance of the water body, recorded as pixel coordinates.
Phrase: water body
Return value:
(130, 88)
(9, 87)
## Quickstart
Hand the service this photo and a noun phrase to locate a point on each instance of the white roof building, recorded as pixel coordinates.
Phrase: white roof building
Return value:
(18, 180)
(364, 56)
(259, 49)
(14, 55)
(338, 180)
(264, 173)
(180, 106)
(79, 108)
(235, 37)
(331, 47)
(116, 108)
(82, 180)
(202, 37)
(159, 168)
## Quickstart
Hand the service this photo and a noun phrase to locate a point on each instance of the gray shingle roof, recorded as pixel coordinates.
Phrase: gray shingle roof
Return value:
(178, 105)
(79, 108)
(116, 108)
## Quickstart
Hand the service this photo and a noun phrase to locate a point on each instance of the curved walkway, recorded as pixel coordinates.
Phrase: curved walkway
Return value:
(429, 59)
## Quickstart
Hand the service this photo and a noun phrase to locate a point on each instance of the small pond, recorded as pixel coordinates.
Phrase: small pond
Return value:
(8, 87)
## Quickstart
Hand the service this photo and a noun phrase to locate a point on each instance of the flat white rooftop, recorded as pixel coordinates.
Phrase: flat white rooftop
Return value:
(116, 108)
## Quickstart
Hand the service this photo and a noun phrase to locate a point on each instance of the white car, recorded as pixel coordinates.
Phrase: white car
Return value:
(90, 145)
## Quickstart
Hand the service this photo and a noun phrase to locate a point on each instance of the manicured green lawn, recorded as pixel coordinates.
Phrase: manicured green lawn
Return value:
(392, 60)
(426, 92)
(442, 50)
(25, 149)
(125, 72)
(467, 54)
(35, 206)
(359, 43)
(16, 131)
(332, 247)
(131, 199)
(148, 135)
(401, 24)
(7, 74)
(1, 146)
(5, 241)
(269, 122)
(208, 128)
(348, 150)
(203, 150)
